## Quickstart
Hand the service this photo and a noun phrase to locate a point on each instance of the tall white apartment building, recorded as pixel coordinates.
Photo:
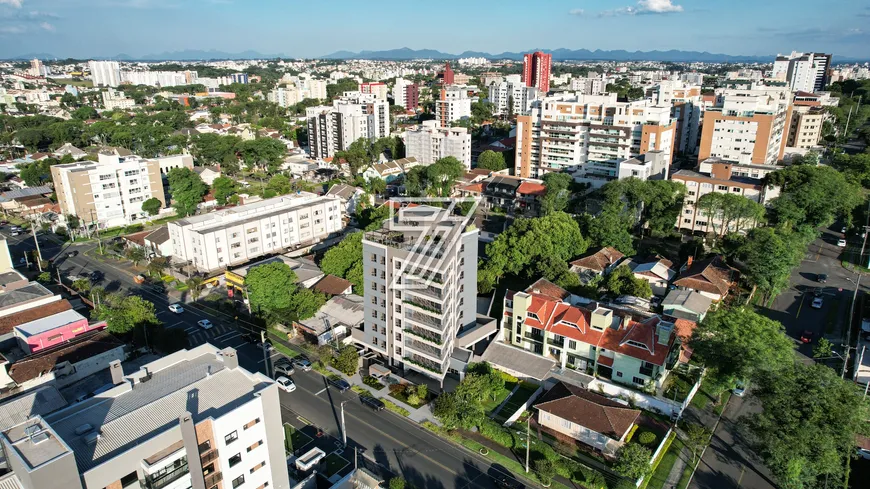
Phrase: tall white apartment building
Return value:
(38, 68)
(311, 88)
(194, 418)
(687, 108)
(512, 90)
(420, 274)
(587, 135)
(353, 116)
(747, 126)
(378, 89)
(105, 73)
(284, 96)
(229, 237)
(806, 72)
(158, 78)
(453, 104)
(406, 94)
(113, 99)
(429, 143)
(589, 86)
(110, 191)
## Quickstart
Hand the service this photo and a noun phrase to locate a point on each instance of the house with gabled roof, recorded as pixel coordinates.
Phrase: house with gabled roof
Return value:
(599, 262)
(711, 277)
(658, 271)
(586, 416)
(622, 346)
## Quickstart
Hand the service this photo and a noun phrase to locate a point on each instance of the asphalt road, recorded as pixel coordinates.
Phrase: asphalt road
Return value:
(425, 460)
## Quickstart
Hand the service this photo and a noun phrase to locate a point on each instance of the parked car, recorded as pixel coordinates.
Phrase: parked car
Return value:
(822, 278)
(205, 324)
(740, 388)
(339, 384)
(302, 364)
(284, 367)
(72, 254)
(96, 276)
(372, 402)
(15, 232)
(817, 303)
(176, 308)
(841, 243)
(807, 336)
(285, 384)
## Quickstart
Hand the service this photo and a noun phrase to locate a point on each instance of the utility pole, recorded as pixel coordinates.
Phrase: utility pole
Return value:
(247, 301)
(852, 307)
(265, 354)
(38, 253)
(848, 119)
(528, 440)
(343, 426)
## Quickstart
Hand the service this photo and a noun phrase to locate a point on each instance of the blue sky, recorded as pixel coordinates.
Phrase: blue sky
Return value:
(306, 28)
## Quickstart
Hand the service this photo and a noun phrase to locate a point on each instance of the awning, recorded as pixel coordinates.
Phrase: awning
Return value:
(606, 361)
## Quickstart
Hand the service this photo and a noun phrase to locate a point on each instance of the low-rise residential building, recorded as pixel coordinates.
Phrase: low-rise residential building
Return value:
(390, 170)
(114, 100)
(586, 416)
(420, 285)
(547, 320)
(722, 178)
(110, 191)
(53, 330)
(191, 419)
(228, 237)
(334, 321)
(658, 271)
(350, 196)
(429, 143)
(686, 304)
(507, 193)
(332, 285)
(599, 262)
(711, 277)
(208, 174)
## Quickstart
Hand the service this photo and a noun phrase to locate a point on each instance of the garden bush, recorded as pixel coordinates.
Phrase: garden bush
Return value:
(372, 382)
(497, 433)
(397, 389)
(647, 438)
(545, 470)
(397, 483)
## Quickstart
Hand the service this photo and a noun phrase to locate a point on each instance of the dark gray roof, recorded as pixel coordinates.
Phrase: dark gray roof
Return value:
(519, 360)
(688, 299)
(38, 402)
(29, 292)
(159, 235)
(24, 192)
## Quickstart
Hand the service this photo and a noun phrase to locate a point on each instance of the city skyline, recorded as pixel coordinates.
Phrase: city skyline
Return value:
(56, 28)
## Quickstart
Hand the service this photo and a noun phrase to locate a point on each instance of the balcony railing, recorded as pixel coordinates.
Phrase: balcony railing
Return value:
(208, 456)
(431, 292)
(534, 337)
(421, 347)
(212, 479)
(166, 479)
(425, 335)
(424, 363)
(424, 319)
(426, 305)
(557, 343)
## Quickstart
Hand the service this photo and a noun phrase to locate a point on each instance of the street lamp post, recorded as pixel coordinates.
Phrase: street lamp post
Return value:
(343, 425)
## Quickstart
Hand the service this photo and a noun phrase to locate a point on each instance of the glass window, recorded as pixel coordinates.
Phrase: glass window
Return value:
(235, 459)
(238, 481)
(231, 437)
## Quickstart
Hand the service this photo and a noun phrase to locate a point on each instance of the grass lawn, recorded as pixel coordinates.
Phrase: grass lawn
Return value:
(517, 400)
(502, 394)
(289, 353)
(395, 408)
(294, 439)
(660, 476)
(705, 395)
(334, 463)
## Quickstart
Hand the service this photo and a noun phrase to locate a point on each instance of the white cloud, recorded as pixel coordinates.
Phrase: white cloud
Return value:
(645, 7)
(12, 29)
(577, 11)
(46, 26)
(13, 3)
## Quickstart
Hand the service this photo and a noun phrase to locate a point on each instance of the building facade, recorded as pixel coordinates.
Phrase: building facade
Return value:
(352, 116)
(429, 143)
(110, 191)
(587, 135)
(805, 127)
(406, 94)
(191, 419)
(420, 276)
(747, 126)
(233, 236)
(105, 73)
(808, 72)
(453, 104)
(536, 70)
(378, 89)
(512, 91)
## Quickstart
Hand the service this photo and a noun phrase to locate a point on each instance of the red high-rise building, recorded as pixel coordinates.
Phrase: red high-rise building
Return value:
(536, 70)
(447, 79)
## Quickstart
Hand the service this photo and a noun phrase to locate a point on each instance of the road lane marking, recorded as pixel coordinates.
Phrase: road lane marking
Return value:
(319, 392)
(239, 345)
(191, 330)
(742, 471)
(229, 336)
(800, 306)
(176, 324)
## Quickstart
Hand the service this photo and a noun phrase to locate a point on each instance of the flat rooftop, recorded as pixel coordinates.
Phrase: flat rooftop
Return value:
(49, 323)
(198, 382)
(10, 277)
(35, 442)
(250, 212)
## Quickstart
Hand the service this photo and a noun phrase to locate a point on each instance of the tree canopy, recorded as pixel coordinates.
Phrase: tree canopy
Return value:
(123, 313)
(187, 190)
(152, 206)
(622, 281)
(812, 195)
(731, 210)
(557, 196)
(345, 260)
(272, 291)
(224, 188)
(491, 160)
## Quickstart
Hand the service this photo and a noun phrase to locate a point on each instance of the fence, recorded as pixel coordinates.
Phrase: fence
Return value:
(638, 399)
(655, 456)
(513, 417)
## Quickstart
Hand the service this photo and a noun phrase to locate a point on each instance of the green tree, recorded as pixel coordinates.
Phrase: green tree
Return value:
(82, 286)
(812, 195)
(262, 153)
(345, 260)
(443, 174)
(44, 278)
(157, 266)
(805, 429)
(491, 160)
(528, 241)
(356, 156)
(622, 281)
(152, 206)
(187, 190)
(270, 286)
(378, 186)
(770, 254)
(545, 470)
(124, 313)
(84, 112)
(346, 360)
(697, 437)
(135, 255)
(224, 188)
(306, 302)
(730, 210)
(397, 483)
(633, 461)
(557, 196)
(194, 286)
(612, 227)
(279, 184)
(824, 349)
(740, 343)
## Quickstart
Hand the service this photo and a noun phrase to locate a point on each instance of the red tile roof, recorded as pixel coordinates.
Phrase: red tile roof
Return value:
(332, 285)
(589, 409)
(600, 260)
(531, 188)
(684, 329)
(474, 187)
(8, 323)
(81, 348)
(712, 275)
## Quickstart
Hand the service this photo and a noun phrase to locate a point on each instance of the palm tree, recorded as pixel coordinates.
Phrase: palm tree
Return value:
(194, 285)
(157, 266)
(136, 255)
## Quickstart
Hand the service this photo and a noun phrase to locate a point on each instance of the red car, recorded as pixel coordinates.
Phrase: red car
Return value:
(807, 337)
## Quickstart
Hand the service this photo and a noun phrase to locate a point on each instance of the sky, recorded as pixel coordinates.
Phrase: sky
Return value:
(311, 28)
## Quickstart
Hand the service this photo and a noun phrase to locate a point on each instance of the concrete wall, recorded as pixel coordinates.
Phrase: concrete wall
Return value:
(90, 366)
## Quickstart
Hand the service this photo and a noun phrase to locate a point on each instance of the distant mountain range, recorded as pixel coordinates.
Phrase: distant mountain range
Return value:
(404, 54)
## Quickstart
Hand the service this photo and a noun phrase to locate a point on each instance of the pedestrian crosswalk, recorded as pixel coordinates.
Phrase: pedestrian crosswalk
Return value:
(219, 333)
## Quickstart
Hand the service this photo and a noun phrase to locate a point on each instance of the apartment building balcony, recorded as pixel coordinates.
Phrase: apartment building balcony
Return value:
(424, 364)
(558, 343)
(433, 353)
(165, 479)
(213, 479)
(426, 305)
(431, 292)
(425, 320)
(534, 336)
(424, 335)
(208, 456)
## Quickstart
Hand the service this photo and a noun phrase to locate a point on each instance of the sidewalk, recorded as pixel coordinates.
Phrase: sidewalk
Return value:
(418, 415)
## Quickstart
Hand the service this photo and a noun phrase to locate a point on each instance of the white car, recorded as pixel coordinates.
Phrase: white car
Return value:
(286, 384)
(205, 324)
(841, 243)
(740, 389)
(176, 308)
(817, 303)
(15, 233)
